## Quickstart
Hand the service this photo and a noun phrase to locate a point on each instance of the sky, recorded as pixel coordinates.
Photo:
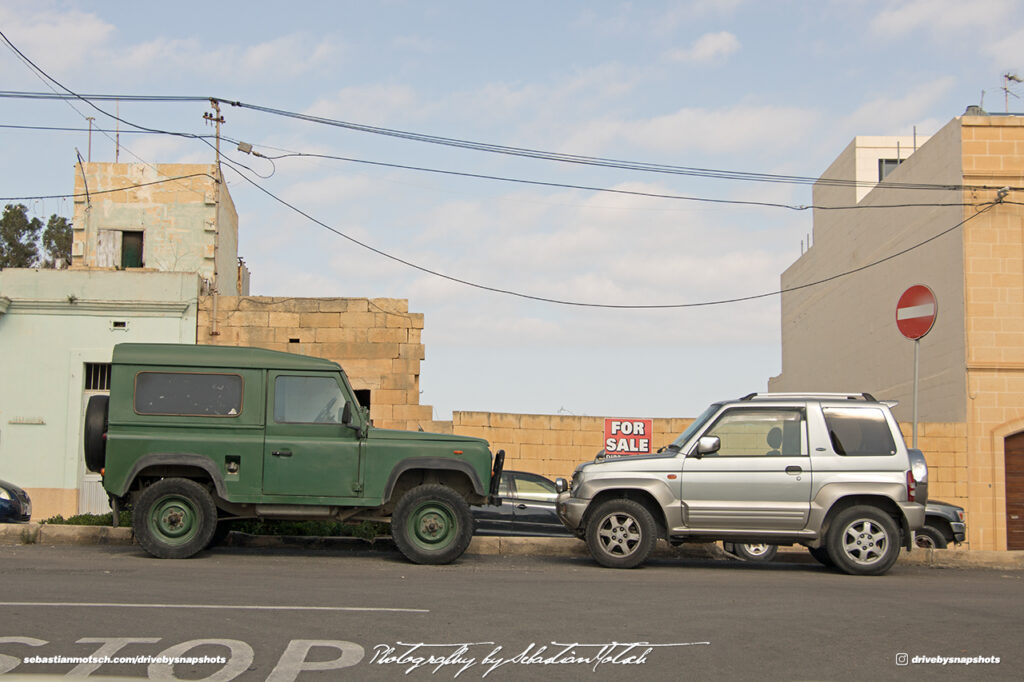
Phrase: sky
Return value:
(736, 85)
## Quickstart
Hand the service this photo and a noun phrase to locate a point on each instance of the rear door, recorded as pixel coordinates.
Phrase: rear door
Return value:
(307, 451)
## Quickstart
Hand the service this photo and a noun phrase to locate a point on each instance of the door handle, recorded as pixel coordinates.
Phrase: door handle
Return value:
(520, 506)
(281, 453)
(794, 470)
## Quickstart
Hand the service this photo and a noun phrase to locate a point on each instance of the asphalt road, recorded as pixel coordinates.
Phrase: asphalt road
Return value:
(314, 614)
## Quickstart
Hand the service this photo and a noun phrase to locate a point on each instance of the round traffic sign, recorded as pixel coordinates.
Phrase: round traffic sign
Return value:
(916, 311)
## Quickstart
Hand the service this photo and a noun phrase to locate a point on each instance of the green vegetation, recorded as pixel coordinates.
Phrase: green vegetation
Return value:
(89, 519)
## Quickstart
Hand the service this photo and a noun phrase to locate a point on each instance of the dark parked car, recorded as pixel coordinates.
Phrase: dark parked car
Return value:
(527, 508)
(943, 524)
(15, 507)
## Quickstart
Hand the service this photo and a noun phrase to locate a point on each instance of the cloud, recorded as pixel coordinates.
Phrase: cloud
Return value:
(941, 16)
(76, 35)
(72, 41)
(708, 47)
(893, 115)
(734, 129)
(367, 104)
(1006, 52)
(284, 57)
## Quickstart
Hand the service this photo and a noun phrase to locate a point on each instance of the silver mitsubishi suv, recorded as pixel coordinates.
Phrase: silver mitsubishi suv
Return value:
(829, 471)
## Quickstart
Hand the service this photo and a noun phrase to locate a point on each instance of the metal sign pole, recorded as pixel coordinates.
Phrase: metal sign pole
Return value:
(917, 345)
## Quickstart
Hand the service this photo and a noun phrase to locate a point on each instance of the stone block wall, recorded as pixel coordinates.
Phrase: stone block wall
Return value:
(550, 445)
(377, 342)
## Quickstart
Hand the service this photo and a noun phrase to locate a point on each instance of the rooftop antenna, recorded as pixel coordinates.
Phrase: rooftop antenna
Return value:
(1007, 79)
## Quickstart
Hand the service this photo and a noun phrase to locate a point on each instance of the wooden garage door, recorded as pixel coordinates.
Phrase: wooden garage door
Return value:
(1014, 449)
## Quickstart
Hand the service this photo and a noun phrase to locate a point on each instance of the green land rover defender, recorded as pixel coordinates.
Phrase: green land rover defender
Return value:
(192, 438)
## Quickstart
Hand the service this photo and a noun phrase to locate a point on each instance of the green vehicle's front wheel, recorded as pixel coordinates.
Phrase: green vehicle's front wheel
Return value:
(174, 518)
(432, 525)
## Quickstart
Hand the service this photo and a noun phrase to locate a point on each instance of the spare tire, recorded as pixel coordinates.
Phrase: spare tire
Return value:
(96, 432)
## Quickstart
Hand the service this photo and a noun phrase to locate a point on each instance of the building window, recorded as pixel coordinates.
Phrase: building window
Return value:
(886, 166)
(131, 249)
(119, 249)
(363, 396)
(97, 376)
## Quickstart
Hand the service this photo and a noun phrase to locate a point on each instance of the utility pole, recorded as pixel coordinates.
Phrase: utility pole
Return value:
(216, 119)
(90, 119)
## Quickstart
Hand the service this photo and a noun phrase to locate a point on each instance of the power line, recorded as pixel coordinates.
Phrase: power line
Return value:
(589, 188)
(541, 183)
(506, 149)
(108, 191)
(17, 94)
(583, 304)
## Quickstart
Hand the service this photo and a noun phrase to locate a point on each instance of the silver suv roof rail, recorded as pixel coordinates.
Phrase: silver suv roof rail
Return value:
(816, 396)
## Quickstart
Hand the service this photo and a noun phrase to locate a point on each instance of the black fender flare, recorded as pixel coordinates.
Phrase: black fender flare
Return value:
(175, 459)
(432, 464)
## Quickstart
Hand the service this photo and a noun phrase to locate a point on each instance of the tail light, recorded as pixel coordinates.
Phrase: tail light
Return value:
(911, 487)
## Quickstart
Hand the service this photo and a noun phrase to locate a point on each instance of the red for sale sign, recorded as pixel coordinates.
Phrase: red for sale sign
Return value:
(627, 436)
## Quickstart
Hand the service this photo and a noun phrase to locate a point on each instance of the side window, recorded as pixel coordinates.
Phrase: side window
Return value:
(530, 488)
(307, 400)
(194, 395)
(746, 432)
(859, 431)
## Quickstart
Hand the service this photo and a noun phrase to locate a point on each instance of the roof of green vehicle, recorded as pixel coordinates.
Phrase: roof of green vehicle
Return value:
(188, 355)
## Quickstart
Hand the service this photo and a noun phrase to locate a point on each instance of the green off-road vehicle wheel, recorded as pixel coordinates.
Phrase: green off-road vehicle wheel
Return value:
(432, 525)
(174, 518)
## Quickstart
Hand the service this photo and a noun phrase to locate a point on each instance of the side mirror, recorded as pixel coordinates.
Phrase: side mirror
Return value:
(346, 414)
(708, 445)
(561, 485)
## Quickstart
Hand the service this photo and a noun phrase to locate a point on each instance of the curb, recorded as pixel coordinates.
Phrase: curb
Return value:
(49, 534)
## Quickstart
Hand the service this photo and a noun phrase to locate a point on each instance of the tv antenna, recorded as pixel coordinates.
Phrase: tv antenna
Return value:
(1007, 79)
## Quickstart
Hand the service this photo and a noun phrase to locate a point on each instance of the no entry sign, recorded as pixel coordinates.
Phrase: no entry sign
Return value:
(627, 436)
(916, 311)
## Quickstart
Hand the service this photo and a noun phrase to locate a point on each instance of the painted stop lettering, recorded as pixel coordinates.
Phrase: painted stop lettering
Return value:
(627, 436)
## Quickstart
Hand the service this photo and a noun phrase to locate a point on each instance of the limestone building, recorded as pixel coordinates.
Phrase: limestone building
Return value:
(945, 212)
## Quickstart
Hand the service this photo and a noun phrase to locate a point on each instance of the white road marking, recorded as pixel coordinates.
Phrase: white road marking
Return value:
(246, 607)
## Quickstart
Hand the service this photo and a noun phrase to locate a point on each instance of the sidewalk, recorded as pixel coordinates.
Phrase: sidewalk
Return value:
(47, 534)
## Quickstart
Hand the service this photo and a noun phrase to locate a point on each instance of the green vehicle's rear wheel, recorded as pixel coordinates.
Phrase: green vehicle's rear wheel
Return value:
(432, 525)
(174, 518)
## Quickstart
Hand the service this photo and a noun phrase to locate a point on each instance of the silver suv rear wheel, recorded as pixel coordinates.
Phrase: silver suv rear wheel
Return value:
(864, 541)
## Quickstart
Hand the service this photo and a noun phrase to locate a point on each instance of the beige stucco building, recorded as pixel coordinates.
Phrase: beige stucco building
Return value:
(165, 218)
(939, 218)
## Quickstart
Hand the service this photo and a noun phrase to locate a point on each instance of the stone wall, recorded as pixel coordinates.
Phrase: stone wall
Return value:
(376, 340)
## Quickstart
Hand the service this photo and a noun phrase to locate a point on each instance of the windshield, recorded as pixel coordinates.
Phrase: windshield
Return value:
(679, 442)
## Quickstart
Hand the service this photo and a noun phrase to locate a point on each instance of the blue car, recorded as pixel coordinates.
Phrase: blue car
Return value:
(15, 507)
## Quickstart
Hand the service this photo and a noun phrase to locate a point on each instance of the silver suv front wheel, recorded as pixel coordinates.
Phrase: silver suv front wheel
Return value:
(864, 540)
(621, 533)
